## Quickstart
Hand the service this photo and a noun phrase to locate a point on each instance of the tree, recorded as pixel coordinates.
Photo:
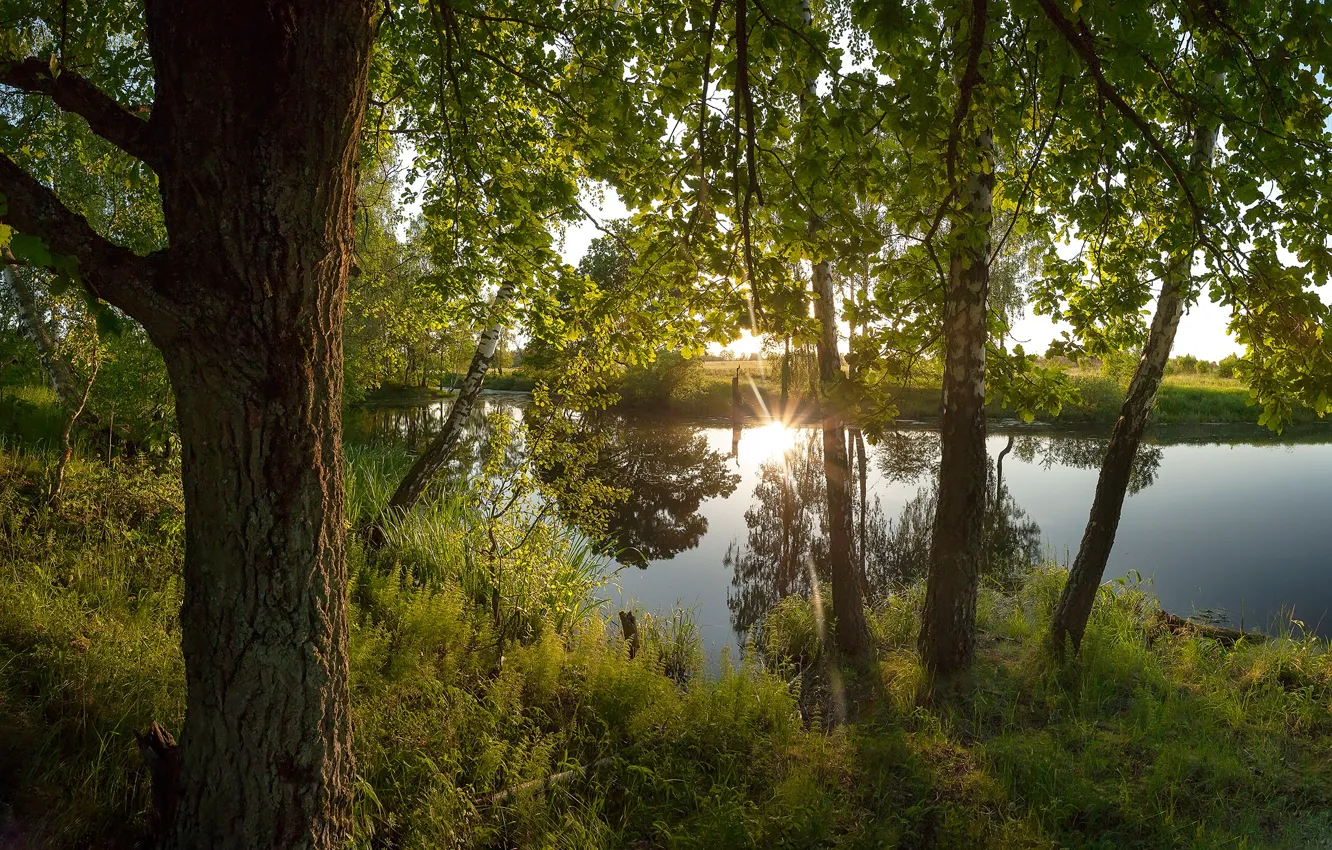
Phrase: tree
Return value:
(1170, 193)
(850, 630)
(947, 631)
(249, 116)
(1075, 602)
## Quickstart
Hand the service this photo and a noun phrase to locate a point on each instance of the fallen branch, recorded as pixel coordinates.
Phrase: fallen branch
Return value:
(1180, 626)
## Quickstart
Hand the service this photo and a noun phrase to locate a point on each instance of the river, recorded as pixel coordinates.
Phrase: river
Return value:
(1226, 522)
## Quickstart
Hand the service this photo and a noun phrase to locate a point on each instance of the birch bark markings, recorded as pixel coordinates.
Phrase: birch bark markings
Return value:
(436, 455)
(948, 622)
(56, 369)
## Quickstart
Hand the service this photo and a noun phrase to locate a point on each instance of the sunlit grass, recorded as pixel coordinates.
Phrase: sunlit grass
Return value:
(1148, 739)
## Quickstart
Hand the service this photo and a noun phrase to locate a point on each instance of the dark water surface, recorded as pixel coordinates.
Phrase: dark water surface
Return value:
(1226, 521)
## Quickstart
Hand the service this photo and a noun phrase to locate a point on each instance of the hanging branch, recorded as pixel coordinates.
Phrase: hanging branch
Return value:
(703, 99)
(745, 98)
(702, 120)
(1031, 170)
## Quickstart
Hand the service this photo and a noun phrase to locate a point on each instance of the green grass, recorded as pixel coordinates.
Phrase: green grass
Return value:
(1148, 740)
(1183, 398)
(30, 415)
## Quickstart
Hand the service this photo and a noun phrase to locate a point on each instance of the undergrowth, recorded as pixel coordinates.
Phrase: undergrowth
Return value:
(471, 732)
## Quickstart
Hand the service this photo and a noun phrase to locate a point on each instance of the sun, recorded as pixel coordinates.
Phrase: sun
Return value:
(743, 346)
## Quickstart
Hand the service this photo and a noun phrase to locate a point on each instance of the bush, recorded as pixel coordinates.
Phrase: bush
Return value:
(1119, 366)
(669, 377)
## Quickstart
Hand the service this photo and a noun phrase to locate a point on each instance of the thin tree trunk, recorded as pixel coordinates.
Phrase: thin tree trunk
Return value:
(948, 622)
(863, 476)
(66, 448)
(1075, 602)
(436, 455)
(57, 371)
(851, 632)
(786, 374)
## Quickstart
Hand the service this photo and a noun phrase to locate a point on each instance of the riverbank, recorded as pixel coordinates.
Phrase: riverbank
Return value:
(1184, 399)
(390, 394)
(1151, 739)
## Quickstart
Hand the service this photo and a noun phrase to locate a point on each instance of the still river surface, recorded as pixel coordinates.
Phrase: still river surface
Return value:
(1224, 521)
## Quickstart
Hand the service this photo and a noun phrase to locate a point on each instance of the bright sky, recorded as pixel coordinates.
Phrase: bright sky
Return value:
(1202, 331)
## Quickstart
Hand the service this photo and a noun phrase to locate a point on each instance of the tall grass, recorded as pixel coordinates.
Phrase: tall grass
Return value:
(554, 737)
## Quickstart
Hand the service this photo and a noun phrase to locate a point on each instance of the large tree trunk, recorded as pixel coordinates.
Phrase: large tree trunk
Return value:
(948, 623)
(1075, 603)
(261, 106)
(436, 456)
(266, 747)
(254, 135)
(851, 632)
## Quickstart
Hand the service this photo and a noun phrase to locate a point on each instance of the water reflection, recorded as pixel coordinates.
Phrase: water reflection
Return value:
(1228, 519)
(1084, 452)
(785, 547)
(414, 426)
(665, 472)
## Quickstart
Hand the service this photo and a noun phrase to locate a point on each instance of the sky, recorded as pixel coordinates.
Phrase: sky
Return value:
(1202, 331)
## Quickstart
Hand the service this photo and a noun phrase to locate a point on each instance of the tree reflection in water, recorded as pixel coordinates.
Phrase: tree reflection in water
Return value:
(786, 542)
(666, 470)
(1084, 452)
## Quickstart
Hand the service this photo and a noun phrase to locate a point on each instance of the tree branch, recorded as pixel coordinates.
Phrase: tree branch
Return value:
(971, 78)
(108, 271)
(1081, 42)
(105, 115)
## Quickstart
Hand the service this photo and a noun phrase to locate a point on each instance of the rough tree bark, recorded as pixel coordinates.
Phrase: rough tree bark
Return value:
(1098, 538)
(254, 135)
(436, 455)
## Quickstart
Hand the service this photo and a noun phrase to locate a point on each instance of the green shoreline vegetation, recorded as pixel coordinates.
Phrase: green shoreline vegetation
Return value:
(1192, 392)
(555, 737)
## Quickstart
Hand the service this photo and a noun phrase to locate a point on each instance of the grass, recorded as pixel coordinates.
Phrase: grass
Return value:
(30, 415)
(1149, 739)
(1183, 398)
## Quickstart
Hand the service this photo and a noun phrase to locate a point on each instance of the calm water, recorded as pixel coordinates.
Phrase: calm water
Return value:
(1226, 521)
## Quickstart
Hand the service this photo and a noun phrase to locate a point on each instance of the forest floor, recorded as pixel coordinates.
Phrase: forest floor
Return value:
(1150, 738)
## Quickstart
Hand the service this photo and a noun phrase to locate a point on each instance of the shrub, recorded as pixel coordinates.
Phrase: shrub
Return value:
(1227, 367)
